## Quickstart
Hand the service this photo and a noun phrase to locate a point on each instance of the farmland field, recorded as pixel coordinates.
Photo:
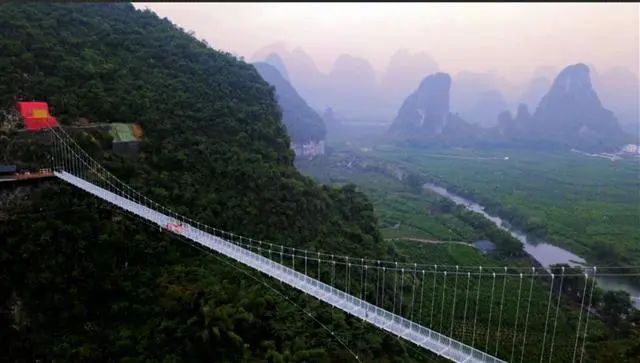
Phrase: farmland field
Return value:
(588, 205)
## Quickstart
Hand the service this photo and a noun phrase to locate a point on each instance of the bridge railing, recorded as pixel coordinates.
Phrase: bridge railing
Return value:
(74, 165)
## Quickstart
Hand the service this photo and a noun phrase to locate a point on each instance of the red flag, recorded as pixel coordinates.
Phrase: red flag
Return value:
(36, 115)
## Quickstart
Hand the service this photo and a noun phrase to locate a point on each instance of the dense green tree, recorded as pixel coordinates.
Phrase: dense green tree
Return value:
(80, 281)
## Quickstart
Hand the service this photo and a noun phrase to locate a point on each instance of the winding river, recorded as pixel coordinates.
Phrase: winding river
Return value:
(542, 251)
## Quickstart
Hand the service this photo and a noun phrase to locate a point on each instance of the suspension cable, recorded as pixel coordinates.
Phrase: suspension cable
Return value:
(546, 320)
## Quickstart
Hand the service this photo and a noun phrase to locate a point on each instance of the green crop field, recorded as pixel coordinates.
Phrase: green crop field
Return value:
(588, 205)
(404, 212)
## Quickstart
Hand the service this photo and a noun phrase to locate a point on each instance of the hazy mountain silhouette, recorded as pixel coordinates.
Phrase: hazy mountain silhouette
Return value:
(351, 90)
(619, 89)
(426, 110)
(404, 72)
(425, 116)
(535, 90)
(275, 60)
(351, 87)
(571, 113)
(279, 48)
(479, 97)
(303, 123)
(302, 72)
(488, 104)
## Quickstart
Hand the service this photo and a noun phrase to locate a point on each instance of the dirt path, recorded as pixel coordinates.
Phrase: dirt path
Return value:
(431, 241)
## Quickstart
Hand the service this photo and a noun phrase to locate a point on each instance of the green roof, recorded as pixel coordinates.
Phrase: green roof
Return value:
(122, 132)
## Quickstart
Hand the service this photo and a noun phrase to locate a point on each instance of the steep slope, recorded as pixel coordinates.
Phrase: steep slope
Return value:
(426, 110)
(350, 87)
(572, 113)
(569, 115)
(619, 90)
(534, 91)
(304, 75)
(83, 282)
(274, 60)
(402, 74)
(303, 123)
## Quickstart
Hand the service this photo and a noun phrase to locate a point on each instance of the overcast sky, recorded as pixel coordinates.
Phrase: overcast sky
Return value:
(512, 39)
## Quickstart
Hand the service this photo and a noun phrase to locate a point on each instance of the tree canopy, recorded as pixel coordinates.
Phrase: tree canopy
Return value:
(80, 281)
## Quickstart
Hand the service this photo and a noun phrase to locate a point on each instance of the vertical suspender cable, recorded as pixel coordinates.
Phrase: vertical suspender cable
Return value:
(453, 307)
(466, 303)
(493, 288)
(421, 296)
(586, 322)
(384, 269)
(444, 289)
(401, 289)
(515, 328)
(346, 274)
(526, 321)
(395, 282)
(362, 281)
(377, 282)
(413, 291)
(584, 292)
(475, 318)
(349, 278)
(555, 320)
(546, 320)
(504, 285)
(433, 294)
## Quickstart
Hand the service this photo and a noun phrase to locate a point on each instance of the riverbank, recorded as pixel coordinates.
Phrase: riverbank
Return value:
(545, 253)
(588, 206)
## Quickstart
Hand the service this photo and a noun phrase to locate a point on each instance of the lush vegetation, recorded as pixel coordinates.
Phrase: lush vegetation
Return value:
(406, 212)
(79, 282)
(403, 208)
(589, 205)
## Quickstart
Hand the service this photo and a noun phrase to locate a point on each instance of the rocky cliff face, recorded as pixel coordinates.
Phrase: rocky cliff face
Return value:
(572, 113)
(535, 90)
(425, 111)
(569, 114)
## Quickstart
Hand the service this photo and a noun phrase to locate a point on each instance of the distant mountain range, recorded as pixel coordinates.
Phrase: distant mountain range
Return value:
(351, 87)
(569, 114)
(352, 91)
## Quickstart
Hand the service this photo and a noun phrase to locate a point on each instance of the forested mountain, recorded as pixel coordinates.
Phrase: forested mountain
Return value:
(303, 123)
(80, 281)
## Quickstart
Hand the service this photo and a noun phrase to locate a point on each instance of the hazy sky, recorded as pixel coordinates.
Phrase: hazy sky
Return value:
(512, 39)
